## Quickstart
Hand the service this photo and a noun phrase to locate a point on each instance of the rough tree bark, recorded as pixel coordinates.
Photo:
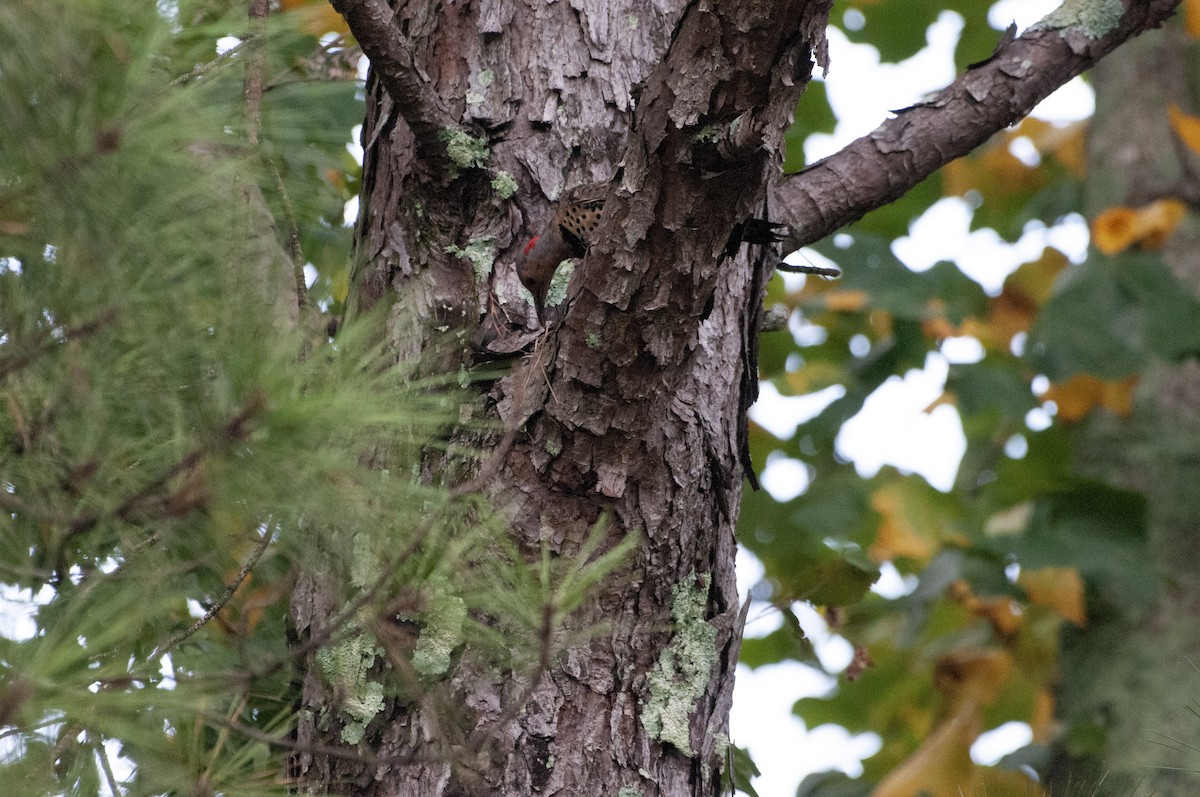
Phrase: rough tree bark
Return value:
(633, 405)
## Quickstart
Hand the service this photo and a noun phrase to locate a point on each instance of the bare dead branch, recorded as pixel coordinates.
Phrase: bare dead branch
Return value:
(883, 165)
(393, 61)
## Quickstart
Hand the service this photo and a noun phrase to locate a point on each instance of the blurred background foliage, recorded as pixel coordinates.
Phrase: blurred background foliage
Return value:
(1029, 551)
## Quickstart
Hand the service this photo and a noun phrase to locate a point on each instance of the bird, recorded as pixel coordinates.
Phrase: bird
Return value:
(569, 234)
(572, 230)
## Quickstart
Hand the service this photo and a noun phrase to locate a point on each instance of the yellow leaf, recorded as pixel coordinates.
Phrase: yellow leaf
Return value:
(1066, 143)
(1042, 722)
(1082, 393)
(908, 526)
(814, 376)
(1191, 18)
(340, 287)
(881, 323)
(1058, 588)
(939, 327)
(994, 171)
(336, 178)
(1149, 226)
(846, 301)
(968, 681)
(1024, 292)
(1000, 613)
(316, 16)
(1112, 230)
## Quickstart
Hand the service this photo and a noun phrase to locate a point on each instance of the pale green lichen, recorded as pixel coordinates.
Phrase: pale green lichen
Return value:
(364, 565)
(345, 666)
(474, 98)
(553, 447)
(558, 283)
(486, 77)
(1092, 18)
(504, 184)
(709, 134)
(441, 633)
(631, 21)
(683, 670)
(720, 746)
(630, 791)
(480, 252)
(465, 151)
(593, 340)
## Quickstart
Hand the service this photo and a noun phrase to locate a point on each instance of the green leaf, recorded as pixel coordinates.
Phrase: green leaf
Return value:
(893, 219)
(785, 643)
(869, 265)
(1109, 315)
(813, 115)
(1100, 531)
(833, 784)
(894, 27)
(741, 769)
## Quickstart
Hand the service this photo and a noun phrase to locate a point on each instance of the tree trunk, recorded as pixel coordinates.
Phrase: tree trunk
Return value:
(630, 411)
(1131, 681)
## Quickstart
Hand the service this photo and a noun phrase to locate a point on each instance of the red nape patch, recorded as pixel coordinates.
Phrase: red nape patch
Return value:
(529, 245)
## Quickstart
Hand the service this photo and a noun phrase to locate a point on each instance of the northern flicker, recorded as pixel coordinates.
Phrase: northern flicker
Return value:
(568, 235)
(573, 228)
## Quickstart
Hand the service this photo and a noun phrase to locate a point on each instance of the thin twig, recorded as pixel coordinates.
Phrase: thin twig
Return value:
(294, 248)
(256, 59)
(102, 756)
(222, 60)
(219, 604)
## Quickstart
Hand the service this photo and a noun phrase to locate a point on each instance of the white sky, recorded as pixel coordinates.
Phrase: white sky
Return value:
(893, 427)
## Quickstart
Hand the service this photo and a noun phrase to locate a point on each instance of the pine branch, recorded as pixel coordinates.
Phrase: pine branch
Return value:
(51, 339)
(882, 166)
(394, 62)
(219, 603)
(256, 59)
(132, 509)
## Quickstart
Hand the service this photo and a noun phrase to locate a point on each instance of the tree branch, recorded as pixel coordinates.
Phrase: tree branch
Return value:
(219, 604)
(371, 22)
(883, 165)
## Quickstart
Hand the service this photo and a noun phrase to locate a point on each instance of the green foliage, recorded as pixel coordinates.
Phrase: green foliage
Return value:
(813, 115)
(1149, 314)
(1027, 547)
(897, 27)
